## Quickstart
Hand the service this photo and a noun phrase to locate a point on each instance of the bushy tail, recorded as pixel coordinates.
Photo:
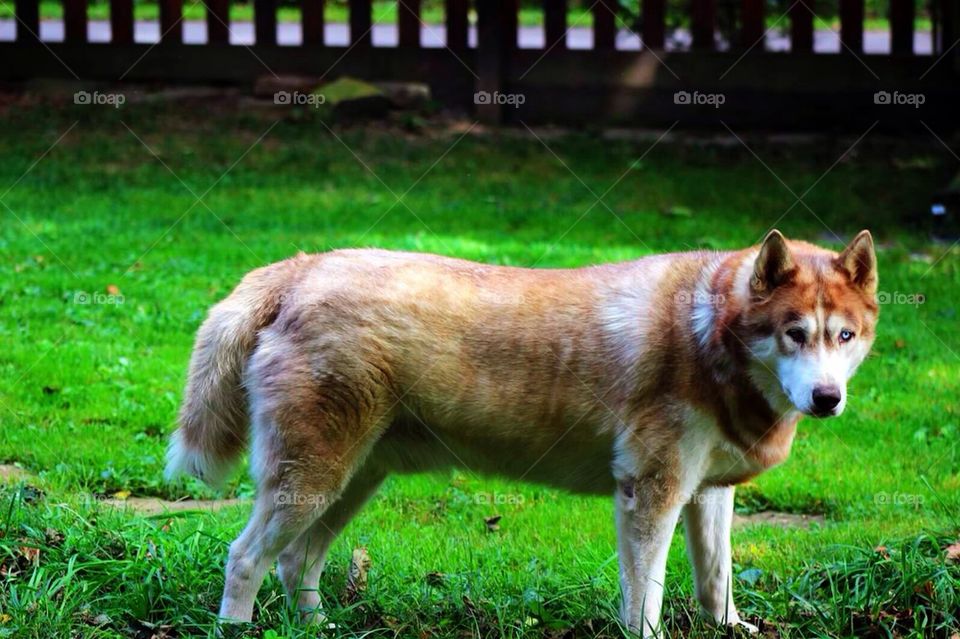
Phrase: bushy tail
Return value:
(213, 422)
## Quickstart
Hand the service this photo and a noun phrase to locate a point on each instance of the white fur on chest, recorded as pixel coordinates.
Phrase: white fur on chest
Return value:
(711, 457)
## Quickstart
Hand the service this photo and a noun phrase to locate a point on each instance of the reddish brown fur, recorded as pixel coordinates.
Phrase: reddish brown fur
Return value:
(362, 363)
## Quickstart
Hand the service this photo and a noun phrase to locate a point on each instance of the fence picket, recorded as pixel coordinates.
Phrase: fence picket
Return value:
(604, 24)
(555, 23)
(408, 23)
(265, 21)
(456, 21)
(654, 14)
(121, 21)
(902, 14)
(751, 24)
(171, 21)
(703, 18)
(361, 22)
(75, 20)
(28, 20)
(801, 26)
(851, 25)
(311, 17)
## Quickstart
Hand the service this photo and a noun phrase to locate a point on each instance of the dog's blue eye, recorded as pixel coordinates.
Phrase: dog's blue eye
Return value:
(797, 335)
(845, 335)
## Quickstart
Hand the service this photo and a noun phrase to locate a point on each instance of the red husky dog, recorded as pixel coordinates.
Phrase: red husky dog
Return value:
(662, 382)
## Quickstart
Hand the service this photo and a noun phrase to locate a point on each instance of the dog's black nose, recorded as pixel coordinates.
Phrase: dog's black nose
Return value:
(825, 398)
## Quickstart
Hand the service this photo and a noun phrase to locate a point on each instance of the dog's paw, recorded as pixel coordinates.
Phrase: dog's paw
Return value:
(744, 627)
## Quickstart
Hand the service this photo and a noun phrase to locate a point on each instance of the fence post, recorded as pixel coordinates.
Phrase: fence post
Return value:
(496, 39)
(457, 24)
(265, 21)
(752, 28)
(75, 20)
(653, 16)
(703, 18)
(121, 21)
(902, 15)
(218, 21)
(851, 25)
(171, 21)
(361, 22)
(801, 26)
(311, 17)
(28, 20)
(604, 24)
(408, 23)
(949, 28)
(555, 24)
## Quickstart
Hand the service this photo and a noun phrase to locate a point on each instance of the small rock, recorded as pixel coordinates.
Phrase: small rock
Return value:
(405, 95)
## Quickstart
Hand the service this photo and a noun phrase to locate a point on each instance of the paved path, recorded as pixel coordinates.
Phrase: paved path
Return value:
(385, 35)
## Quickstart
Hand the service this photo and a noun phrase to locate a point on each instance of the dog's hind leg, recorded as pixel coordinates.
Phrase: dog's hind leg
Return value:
(301, 562)
(311, 433)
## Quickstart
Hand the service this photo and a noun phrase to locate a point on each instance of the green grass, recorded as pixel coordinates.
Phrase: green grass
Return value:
(89, 391)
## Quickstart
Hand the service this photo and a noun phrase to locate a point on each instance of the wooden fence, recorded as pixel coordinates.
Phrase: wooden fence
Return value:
(745, 83)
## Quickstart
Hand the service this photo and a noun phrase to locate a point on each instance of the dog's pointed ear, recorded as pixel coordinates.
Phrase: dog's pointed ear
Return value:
(774, 264)
(859, 260)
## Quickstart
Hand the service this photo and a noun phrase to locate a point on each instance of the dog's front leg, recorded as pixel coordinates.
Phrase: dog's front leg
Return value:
(706, 520)
(647, 511)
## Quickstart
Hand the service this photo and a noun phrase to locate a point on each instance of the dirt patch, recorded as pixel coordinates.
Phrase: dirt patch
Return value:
(156, 506)
(781, 520)
(11, 473)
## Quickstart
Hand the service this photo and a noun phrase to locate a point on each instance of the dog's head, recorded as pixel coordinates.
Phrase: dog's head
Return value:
(811, 317)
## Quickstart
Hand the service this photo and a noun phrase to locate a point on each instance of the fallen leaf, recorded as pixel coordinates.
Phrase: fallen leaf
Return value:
(113, 289)
(122, 495)
(953, 552)
(493, 523)
(899, 343)
(357, 575)
(4, 618)
(101, 620)
(53, 536)
(30, 553)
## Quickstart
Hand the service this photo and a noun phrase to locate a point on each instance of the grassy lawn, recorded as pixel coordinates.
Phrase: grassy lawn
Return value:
(109, 264)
